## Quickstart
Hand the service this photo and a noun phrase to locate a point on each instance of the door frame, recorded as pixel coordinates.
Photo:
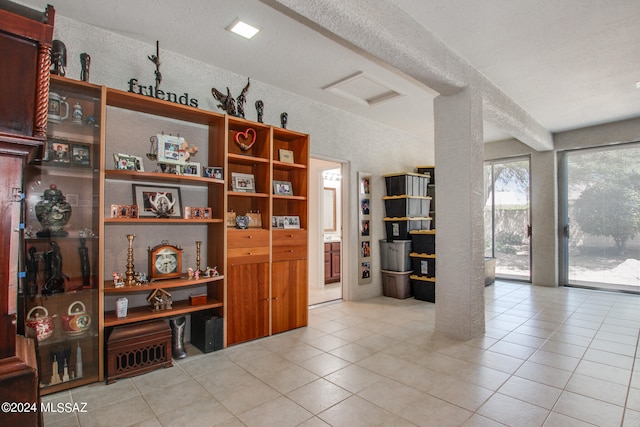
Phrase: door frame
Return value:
(492, 162)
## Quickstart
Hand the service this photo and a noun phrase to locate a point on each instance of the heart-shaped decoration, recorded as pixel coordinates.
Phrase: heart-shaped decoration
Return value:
(248, 139)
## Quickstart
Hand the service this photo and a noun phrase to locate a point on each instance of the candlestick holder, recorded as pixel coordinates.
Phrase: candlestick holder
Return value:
(198, 245)
(130, 273)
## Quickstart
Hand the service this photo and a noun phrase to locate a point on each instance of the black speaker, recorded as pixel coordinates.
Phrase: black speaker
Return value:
(206, 331)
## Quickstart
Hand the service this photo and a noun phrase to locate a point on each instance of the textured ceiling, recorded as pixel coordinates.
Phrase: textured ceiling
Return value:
(569, 64)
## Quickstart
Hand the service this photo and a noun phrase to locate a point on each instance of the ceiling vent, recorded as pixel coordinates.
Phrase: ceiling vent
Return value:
(362, 89)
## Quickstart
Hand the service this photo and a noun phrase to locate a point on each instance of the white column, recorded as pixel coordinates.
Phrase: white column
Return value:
(459, 155)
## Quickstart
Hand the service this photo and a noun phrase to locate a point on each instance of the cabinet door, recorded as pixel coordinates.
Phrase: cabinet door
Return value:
(290, 295)
(327, 267)
(335, 266)
(247, 302)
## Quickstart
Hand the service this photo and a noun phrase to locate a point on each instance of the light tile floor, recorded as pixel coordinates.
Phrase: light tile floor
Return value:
(549, 357)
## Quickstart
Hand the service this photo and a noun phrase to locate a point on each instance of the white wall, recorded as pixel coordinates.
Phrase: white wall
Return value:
(368, 146)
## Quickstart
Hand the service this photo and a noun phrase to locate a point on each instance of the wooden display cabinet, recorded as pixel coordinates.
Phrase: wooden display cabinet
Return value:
(267, 267)
(62, 267)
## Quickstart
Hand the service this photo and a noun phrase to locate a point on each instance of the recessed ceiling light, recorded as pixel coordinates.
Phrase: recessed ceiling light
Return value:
(243, 29)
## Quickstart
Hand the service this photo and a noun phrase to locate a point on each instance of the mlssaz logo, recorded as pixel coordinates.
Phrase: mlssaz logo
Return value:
(152, 92)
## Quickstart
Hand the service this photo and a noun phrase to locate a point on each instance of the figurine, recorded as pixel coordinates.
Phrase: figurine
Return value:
(58, 58)
(260, 110)
(196, 274)
(190, 273)
(85, 61)
(228, 103)
(53, 271)
(156, 60)
(117, 280)
(53, 212)
(283, 120)
(242, 98)
(188, 151)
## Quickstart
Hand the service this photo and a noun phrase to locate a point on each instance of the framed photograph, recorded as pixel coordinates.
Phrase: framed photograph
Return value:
(212, 172)
(60, 152)
(197, 213)
(231, 219)
(279, 221)
(365, 249)
(365, 270)
(124, 211)
(364, 227)
(190, 168)
(365, 185)
(128, 162)
(285, 156)
(170, 149)
(81, 155)
(243, 182)
(291, 222)
(155, 201)
(283, 188)
(364, 204)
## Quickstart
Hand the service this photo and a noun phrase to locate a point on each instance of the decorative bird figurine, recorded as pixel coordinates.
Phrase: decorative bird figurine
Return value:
(228, 103)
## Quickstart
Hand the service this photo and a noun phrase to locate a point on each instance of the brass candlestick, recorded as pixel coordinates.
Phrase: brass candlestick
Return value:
(130, 280)
(198, 243)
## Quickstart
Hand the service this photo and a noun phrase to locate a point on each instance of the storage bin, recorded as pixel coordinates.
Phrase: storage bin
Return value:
(423, 241)
(430, 170)
(394, 255)
(396, 284)
(423, 264)
(407, 206)
(399, 228)
(431, 192)
(423, 288)
(410, 184)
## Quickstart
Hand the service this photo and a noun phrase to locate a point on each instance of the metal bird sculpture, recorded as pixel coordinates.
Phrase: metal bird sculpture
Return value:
(228, 103)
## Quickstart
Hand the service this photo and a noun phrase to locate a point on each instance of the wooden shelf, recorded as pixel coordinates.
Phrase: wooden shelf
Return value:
(160, 221)
(125, 175)
(282, 197)
(246, 159)
(246, 194)
(159, 284)
(138, 314)
(288, 166)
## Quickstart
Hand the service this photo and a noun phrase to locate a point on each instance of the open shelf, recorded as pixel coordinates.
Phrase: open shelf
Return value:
(125, 175)
(159, 284)
(138, 314)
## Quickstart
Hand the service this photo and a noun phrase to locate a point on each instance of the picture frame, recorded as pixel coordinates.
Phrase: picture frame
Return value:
(128, 162)
(197, 213)
(243, 182)
(190, 169)
(291, 222)
(285, 156)
(213, 172)
(142, 195)
(59, 152)
(283, 188)
(81, 155)
(170, 149)
(365, 247)
(124, 211)
(231, 219)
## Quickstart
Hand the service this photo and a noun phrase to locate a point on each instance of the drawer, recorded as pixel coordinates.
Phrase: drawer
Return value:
(248, 255)
(289, 237)
(289, 252)
(247, 238)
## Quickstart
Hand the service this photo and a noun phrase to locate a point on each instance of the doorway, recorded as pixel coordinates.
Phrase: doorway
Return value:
(600, 202)
(326, 181)
(507, 217)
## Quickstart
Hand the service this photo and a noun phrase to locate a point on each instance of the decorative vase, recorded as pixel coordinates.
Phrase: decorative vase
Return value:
(177, 337)
(53, 212)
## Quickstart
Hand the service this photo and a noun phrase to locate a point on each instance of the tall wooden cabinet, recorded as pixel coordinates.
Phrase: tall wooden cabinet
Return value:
(25, 40)
(267, 264)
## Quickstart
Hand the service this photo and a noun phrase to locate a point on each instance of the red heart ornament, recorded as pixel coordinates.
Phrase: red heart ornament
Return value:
(247, 135)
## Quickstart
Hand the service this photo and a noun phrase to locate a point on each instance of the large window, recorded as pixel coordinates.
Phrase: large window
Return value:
(506, 217)
(601, 217)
